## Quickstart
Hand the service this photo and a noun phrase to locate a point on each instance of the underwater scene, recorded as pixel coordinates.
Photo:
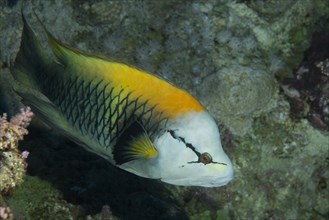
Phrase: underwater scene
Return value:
(164, 109)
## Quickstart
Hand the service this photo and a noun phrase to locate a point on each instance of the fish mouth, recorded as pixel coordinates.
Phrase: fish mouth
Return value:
(203, 181)
(217, 176)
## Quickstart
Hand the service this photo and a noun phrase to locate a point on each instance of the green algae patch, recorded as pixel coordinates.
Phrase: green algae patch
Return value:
(38, 199)
(279, 163)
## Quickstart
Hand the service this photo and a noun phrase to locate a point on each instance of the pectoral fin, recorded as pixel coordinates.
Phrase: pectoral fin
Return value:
(134, 144)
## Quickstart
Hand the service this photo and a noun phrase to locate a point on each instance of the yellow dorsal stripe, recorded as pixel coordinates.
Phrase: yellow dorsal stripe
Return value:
(168, 99)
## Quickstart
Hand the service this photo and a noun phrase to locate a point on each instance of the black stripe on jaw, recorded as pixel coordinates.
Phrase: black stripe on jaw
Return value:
(190, 146)
(172, 133)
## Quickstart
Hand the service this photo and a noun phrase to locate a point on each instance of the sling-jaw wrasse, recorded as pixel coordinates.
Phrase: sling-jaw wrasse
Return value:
(136, 120)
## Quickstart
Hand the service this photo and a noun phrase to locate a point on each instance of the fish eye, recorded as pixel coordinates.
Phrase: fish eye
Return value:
(205, 158)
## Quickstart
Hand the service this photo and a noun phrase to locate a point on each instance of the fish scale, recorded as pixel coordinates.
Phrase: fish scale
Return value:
(95, 109)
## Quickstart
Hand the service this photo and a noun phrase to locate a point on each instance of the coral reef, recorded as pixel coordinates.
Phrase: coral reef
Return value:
(192, 43)
(12, 161)
(105, 214)
(240, 99)
(288, 162)
(48, 202)
(227, 53)
(308, 89)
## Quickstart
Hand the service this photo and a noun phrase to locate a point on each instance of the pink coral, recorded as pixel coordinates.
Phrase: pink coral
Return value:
(12, 161)
(18, 123)
(5, 213)
(11, 132)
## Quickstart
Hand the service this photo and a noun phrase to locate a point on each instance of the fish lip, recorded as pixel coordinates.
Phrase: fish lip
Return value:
(212, 181)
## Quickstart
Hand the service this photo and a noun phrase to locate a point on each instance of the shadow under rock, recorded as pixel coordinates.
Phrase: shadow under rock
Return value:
(90, 181)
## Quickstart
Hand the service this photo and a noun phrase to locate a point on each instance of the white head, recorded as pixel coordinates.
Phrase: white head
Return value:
(189, 154)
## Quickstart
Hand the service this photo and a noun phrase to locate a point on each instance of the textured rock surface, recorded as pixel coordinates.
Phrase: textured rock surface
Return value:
(224, 52)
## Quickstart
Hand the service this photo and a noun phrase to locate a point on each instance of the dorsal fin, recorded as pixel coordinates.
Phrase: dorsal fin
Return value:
(65, 53)
(31, 59)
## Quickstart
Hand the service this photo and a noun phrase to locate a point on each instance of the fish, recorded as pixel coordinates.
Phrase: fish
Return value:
(136, 120)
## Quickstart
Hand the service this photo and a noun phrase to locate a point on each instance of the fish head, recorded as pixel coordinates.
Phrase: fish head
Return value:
(190, 152)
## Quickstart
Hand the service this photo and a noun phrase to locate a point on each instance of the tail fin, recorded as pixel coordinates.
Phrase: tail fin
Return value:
(32, 59)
